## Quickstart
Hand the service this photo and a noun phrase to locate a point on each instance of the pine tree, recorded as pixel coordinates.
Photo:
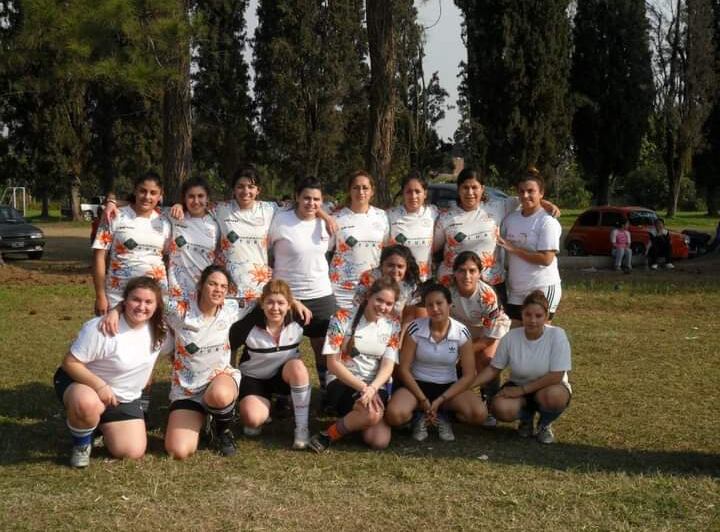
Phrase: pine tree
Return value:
(223, 135)
(612, 85)
(516, 82)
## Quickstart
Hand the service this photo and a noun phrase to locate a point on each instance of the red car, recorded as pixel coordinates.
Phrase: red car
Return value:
(590, 234)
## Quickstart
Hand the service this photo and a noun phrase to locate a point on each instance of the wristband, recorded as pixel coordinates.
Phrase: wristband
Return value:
(111, 201)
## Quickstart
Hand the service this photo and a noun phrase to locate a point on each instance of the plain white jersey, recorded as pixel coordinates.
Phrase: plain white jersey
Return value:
(480, 312)
(373, 341)
(414, 230)
(529, 360)
(407, 296)
(243, 246)
(476, 230)
(191, 250)
(537, 232)
(136, 245)
(358, 243)
(436, 362)
(124, 361)
(299, 248)
(202, 345)
(263, 357)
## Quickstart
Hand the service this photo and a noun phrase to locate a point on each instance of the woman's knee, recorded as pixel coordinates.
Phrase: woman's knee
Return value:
(553, 398)
(397, 414)
(295, 373)
(179, 448)
(221, 392)
(504, 410)
(253, 413)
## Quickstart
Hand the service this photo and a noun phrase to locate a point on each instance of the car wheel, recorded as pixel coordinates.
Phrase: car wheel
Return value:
(87, 216)
(35, 255)
(575, 249)
(637, 249)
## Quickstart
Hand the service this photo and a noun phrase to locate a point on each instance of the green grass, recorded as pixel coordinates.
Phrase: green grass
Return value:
(638, 447)
(696, 220)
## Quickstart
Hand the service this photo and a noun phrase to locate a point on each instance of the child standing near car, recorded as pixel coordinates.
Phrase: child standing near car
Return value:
(620, 239)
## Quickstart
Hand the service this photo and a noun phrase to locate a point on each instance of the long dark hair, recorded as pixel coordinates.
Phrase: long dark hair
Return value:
(384, 283)
(151, 176)
(470, 173)
(412, 175)
(412, 273)
(158, 330)
(192, 183)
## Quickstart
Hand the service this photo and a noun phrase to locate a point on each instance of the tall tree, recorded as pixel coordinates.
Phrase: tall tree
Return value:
(686, 85)
(223, 135)
(612, 84)
(517, 82)
(308, 64)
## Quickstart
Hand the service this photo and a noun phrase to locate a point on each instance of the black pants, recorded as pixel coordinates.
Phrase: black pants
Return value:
(660, 248)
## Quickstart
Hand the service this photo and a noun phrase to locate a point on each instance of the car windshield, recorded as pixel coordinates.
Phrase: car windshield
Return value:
(642, 218)
(8, 215)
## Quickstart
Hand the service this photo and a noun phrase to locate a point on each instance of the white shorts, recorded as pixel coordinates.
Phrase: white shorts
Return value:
(553, 293)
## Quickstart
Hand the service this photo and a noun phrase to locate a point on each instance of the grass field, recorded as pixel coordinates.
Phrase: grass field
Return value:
(638, 447)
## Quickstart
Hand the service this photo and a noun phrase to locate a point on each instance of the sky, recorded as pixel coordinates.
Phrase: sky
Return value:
(444, 50)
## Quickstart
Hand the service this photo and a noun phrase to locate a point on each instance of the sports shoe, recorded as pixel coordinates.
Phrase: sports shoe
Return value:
(252, 432)
(669, 266)
(445, 431)
(419, 428)
(320, 442)
(80, 456)
(226, 443)
(302, 438)
(545, 434)
(653, 266)
(490, 422)
(526, 428)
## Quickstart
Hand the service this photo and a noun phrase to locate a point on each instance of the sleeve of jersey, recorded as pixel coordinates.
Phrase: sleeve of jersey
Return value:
(465, 336)
(339, 324)
(511, 204)
(167, 234)
(439, 233)
(393, 345)
(549, 238)
(560, 354)
(168, 345)
(89, 344)
(502, 355)
(104, 235)
(175, 310)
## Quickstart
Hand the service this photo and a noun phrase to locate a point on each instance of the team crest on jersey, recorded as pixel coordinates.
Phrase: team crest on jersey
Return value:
(192, 348)
(130, 244)
(459, 237)
(232, 236)
(351, 241)
(180, 241)
(401, 238)
(221, 324)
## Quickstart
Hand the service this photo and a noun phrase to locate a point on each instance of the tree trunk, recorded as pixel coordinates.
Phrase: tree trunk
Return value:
(711, 200)
(381, 133)
(45, 209)
(602, 190)
(177, 132)
(75, 198)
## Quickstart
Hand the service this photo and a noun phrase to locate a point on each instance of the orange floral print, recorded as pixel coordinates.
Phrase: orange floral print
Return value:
(261, 274)
(487, 260)
(105, 237)
(488, 298)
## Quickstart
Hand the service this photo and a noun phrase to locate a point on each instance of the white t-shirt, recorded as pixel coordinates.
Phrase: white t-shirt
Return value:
(436, 362)
(373, 342)
(529, 360)
(299, 247)
(124, 361)
(191, 250)
(202, 345)
(538, 232)
(407, 291)
(263, 358)
(415, 232)
(459, 230)
(136, 246)
(243, 246)
(358, 244)
(480, 312)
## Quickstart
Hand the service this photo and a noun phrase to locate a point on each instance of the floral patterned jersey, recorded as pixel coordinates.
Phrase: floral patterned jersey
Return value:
(191, 250)
(414, 231)
(407, 291)
(136, 245)
(481, 312)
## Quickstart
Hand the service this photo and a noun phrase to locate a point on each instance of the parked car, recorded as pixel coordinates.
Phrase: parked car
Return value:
(89, 210)
(590, 234)
(445, 194)
(18, 236)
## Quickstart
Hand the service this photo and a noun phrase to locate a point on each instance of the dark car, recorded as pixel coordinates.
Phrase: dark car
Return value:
(18, 236)
(445, 194)
(590, 234)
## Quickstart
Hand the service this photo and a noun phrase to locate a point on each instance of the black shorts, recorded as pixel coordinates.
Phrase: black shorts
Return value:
(240, 329)
(343, 397)
(264, 387)
(121, 412)
(322, 309)
(501, 292)
(187, 404)
(514, 312)
(530, 403)
(431, 390)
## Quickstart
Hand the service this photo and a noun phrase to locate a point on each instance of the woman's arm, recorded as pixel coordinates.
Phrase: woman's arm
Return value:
(99, 268)
(81, 374)
(337, 368)
(553, 377)
(543, 258)
(407, 357)
(485, 376)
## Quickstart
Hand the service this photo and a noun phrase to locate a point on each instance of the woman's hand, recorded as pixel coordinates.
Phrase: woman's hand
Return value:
(177, 212)
(106, 395)
(101, 304)
(331, 225)
(303, 312)
(507, 246)
(110, 324)
(434, 408)
(512, 392)
(367, 395)
(109, 212)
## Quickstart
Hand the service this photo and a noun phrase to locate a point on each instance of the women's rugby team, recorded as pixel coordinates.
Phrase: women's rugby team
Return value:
(392, 346)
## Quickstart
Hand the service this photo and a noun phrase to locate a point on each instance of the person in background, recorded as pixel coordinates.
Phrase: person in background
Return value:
(659, 245)
(621, 240)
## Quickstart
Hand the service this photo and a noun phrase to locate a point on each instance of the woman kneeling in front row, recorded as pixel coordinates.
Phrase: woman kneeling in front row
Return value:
(538, 356)
(430, 353)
